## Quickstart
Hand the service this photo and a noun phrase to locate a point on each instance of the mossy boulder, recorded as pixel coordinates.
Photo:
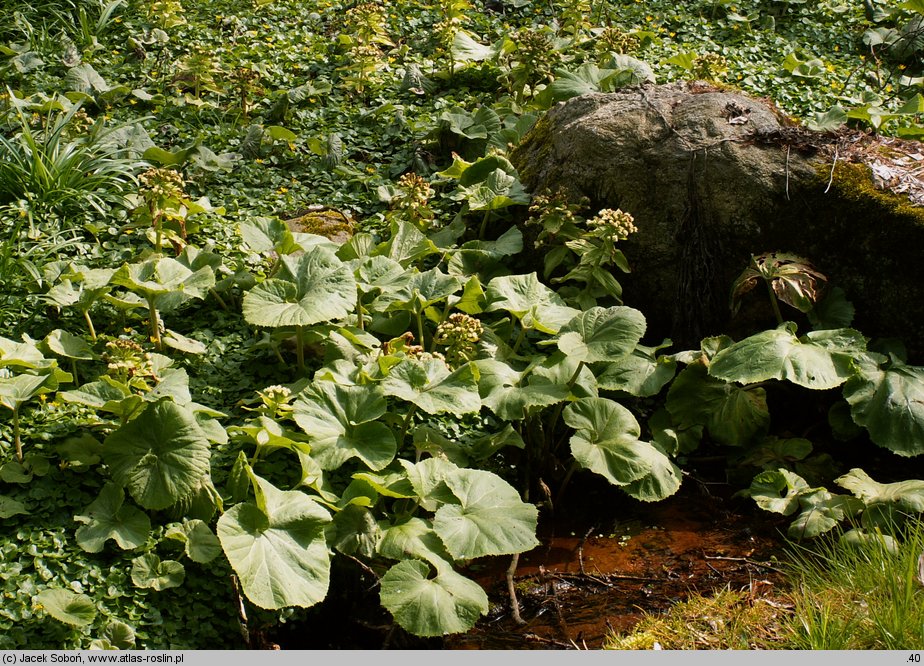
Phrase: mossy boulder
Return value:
(322, 221)
(713, 177)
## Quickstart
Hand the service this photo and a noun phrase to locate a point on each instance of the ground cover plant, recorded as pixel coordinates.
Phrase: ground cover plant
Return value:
(213, 410)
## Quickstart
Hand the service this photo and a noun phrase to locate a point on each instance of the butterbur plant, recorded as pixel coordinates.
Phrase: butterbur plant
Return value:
(24, 374)
(411, 201)
(364, 35)
(788, 278)
(586, 249)
(163, 193)
(459, 334)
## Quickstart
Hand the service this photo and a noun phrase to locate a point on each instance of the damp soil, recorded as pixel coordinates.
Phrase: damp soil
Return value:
(604, 561)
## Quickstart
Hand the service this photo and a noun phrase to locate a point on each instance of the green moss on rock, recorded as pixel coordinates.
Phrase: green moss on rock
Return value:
(331, 224)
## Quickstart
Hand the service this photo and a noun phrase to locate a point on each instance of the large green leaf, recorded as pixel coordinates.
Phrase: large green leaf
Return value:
(116, 636)
(268, 234)
(380, 274)
(149, 570)
(778, 491)
(490, 518)
(563, 371)
(602, 334)
(498, 190)
(733, 415)
(606, 441)
(906, 495)
(83, 78)
(820, 512)
(413, 538)
(530, 301)
(69, 345)
(431, 386)
(448, 603)
(161, 456)
(428, 478)
(819, 360)
(166, 280)
(465, 48)
(277, 548)
(309, 289)
(355, 531)
(199, 542)
(21, 354)
(107, 395)
(406, 245)
(641, 373)
(341, 422)
(889, 403)
(106, 518)
(77, 610)
(588, 78)
(10, 507)
(504, 391)
(17, 389)
(662, 481)
(418, 291)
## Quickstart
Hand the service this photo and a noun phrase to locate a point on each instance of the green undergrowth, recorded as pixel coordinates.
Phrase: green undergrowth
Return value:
(206, 412)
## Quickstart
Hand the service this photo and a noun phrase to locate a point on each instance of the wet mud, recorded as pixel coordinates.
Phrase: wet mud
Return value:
(594, 576)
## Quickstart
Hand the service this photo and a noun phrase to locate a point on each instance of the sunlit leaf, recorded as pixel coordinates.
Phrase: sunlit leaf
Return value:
(278, 550)
(67, 606)
(161, 456)
(428, 605)
(149, 570)
(107, 518)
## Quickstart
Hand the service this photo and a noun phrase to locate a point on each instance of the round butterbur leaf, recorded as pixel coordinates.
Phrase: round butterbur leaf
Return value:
(602, 334)
(277, 548)
(77, 610)
(448, 603)
(150, 571)
(312, 288)
(161, 456)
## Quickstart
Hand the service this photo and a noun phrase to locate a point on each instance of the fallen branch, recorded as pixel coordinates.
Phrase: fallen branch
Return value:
(765, 565)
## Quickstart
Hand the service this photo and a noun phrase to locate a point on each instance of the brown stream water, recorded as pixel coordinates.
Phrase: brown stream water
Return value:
(599, 569)
(604, 560)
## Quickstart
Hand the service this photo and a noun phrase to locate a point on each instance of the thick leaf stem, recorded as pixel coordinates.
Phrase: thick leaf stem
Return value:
(775, 304)
(17, 439)
(406, 424)
(484, 224)
(420, 328)
(221, 301)
(299, 349)
(90, 327)
(519, 341)
(155, 325)
(512, 590)
(558, 408)
(564, 484)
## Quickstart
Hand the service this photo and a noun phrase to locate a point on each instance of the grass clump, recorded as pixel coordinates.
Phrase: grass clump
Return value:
(866, 595)
(728, 620)
(844, 594)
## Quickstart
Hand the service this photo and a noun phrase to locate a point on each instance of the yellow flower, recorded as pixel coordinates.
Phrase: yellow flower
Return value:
(282, 190)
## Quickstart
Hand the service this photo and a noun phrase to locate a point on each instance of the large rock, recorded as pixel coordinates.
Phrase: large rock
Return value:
(713, 177)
